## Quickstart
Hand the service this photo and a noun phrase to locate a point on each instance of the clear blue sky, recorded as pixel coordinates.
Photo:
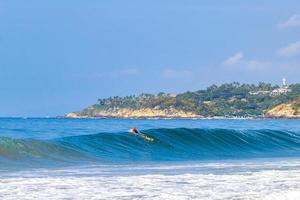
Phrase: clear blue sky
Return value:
(61, 56)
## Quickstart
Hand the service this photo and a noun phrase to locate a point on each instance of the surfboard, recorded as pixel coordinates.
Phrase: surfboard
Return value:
(146, 138)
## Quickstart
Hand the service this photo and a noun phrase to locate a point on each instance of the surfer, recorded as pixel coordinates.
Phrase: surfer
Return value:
(136, 132)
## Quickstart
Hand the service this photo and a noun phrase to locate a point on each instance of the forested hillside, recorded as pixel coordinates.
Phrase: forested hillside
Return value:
(231, 99)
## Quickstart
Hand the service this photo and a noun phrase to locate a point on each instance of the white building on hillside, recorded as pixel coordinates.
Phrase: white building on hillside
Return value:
(282, 90)
(278, 91)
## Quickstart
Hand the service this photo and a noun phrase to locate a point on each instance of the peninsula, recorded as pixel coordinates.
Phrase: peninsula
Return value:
(230, 100)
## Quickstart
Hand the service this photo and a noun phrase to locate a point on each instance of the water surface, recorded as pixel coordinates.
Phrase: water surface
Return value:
(188, 159)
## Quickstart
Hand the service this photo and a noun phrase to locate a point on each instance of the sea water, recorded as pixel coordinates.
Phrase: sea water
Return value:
(48, 158)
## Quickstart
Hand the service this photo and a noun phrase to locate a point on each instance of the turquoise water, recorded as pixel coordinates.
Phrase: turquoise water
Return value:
(58, 142)
(64, 156)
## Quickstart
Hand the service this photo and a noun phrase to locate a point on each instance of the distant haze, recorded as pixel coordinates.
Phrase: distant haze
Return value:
(60, 56)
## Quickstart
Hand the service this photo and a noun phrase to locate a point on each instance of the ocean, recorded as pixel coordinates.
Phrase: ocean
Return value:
(58, 158)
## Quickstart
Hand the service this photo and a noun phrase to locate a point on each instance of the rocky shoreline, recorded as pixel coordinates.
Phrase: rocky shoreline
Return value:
(113, 116)
(132, 113)
(282, 111)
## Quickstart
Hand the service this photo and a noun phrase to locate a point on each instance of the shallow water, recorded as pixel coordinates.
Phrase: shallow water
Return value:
(188, 159)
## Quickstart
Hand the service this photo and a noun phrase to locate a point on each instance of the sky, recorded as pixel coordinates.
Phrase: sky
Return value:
(61, 56)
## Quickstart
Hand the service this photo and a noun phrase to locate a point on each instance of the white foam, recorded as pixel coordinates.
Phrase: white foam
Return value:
(282, 182)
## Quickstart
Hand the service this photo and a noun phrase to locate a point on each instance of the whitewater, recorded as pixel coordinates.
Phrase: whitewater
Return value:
(48, 158)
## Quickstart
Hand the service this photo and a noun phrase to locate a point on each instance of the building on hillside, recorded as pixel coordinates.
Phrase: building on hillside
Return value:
(278, 91)
(282, 90)
(259, 92)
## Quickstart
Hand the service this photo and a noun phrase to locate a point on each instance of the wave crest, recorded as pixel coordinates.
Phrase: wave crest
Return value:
(168, 145)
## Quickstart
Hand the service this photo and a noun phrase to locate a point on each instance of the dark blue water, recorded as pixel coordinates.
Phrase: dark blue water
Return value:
(43, 142)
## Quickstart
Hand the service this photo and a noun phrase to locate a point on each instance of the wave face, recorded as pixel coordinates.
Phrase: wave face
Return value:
(177, 144)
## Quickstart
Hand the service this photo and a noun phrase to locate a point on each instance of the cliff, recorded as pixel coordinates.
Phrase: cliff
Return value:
(135, 113)
(288, 110)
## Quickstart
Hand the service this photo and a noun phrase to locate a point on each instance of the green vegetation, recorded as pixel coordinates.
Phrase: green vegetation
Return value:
(231, 99)
(296, 106)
